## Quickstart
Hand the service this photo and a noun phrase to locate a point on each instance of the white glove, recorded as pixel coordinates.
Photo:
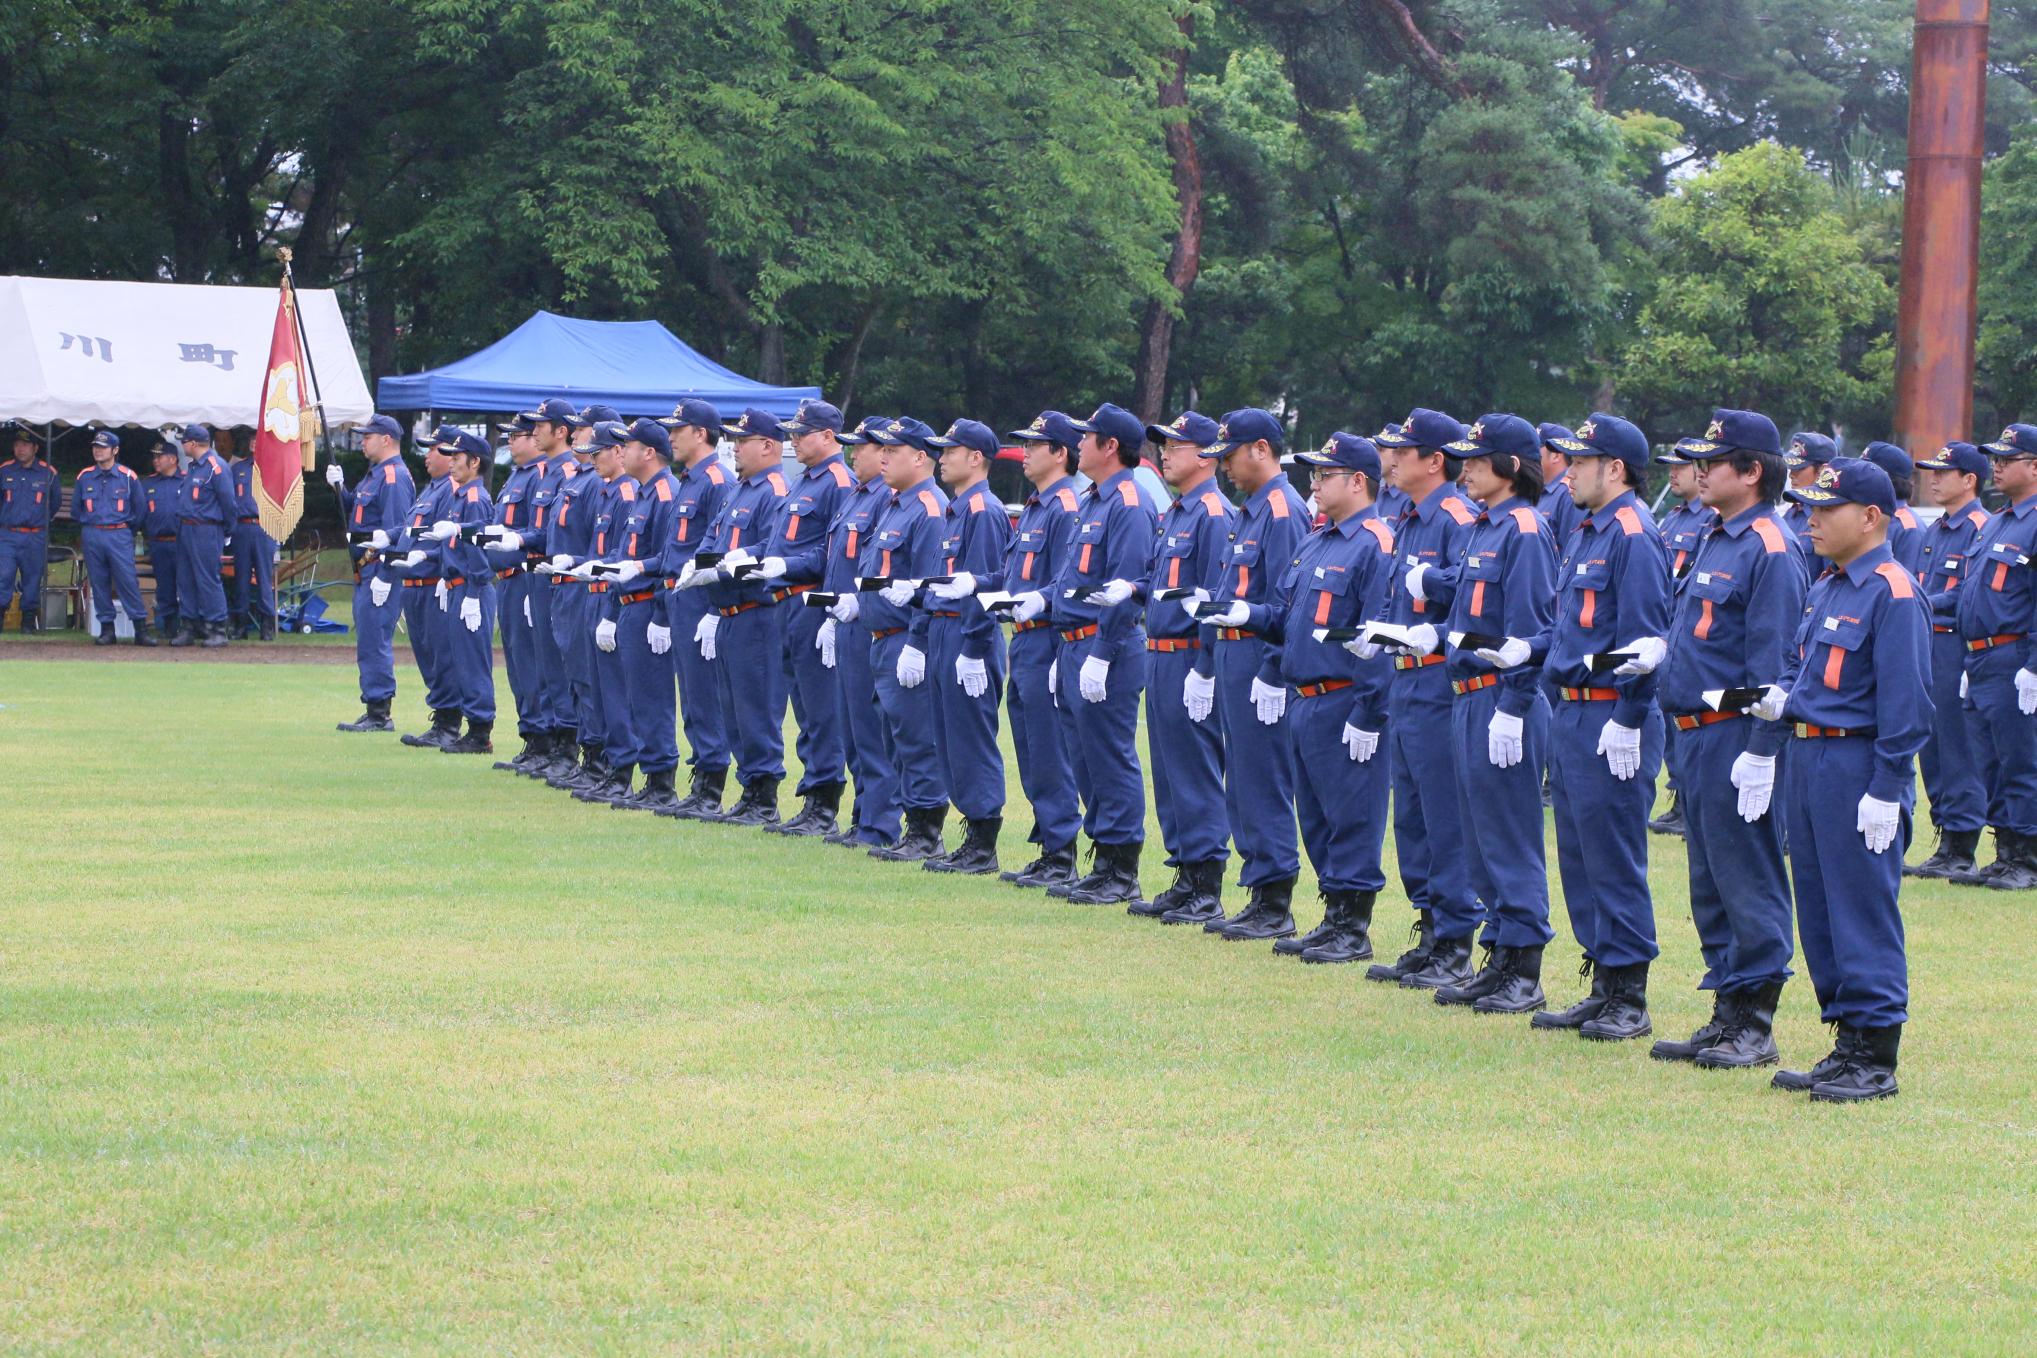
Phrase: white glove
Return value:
(972, 675)
(1768, 707)
(771, 568)
(1362, 745)
(2026, 692)
(1094, 679)
(1029, 606)
(1503, 741)
(412, 560)
(956, 588)
(1199, 695)
(1424, 637)
(824, 642)
(562, 562)
(508, 541)
(1509, 653)
(1962, 685)
(604, 634)
(470, 614)
(583, 571)
(848, 608)
(1362, 648)
(1053, 677)
(333, 477)
(898, 595)
(1754, 775)
(1234, 614)
(1116, 592)
(1648, 655)
(1269, 700)
(526, 612)
(445, 530)
(438, 594)
(1621, 746)
(1877, 823)
(703, 634)
(626, 570)
(1413, 582)
(378, 539)
(912, 667)
(378, 592)
(659, 637)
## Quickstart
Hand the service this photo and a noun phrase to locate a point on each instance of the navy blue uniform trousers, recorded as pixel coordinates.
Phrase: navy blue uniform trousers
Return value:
(1188, 766)
(375, 639)
(109, 564)
(1258, 771)
(2004, 742)
(749, 666)
(421, 619)
(254, 572)
(647, 680)
(556, 710)
(965, 728)
(866, 740)
(519, 651)
(198, 588)
(167, 565)
(1428, 820)
(470, 651)
(816, 710)
(1846, 896)
(1503, 841)
(1340, 803)
(1039, 736)
(700, 702)
(908, 715)
(1602, 833)
(1951, 772)
(1739, 892)
(1104, 747)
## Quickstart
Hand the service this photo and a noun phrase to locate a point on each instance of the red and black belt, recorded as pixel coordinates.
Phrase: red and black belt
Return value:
(1809, 732)
(932, 614)
(111, 527)
(1235, 634)
(247, 520)
(1417, 662)
(1690, 721)
(637, 596)
(164, 537)
(1169, 645)
(779, 596)
(1318, 690)
(1989, 643)
(1589, 695)
(1460, 687)
(506, 573)
(1035, 625)
(1078, 633)
(882, 632)
(738, 608)
(421, 581)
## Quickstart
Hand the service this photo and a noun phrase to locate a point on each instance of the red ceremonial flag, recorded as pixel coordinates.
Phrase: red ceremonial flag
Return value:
(289, 424)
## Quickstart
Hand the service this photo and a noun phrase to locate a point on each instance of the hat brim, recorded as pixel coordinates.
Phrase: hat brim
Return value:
(1316, 457)
(738, 432)
(1816, 495)
(1386, 440)
(1220, 448)
(1466, 448)
(2007, 450)
(1671, 459)
(1576, 448)
(848, 440)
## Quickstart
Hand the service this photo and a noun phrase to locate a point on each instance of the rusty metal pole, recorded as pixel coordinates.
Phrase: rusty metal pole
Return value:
(1935, 318)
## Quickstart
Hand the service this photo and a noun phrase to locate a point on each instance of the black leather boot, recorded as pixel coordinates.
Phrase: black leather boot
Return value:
(1520, 985)
(657, 794)
(1709, 1032)
(1670, 822)
(1423, 936)
(188, 632)
(374, 717)
(476, 741)
(1116, 879)
(1800, 1081)
(703, 796)
(615, 784)
(921, 839)
(445, 727)
(817, 817)
(1586, 1009)
(141, 635)
(1482, 983)
(1868, 1073)
(1448, 964)
(1169, 896)
(1205, 904)
(1098, 870)
(1953, 857)
(517, 762)
(571, 776)
(1268, 914)
(1749, 1040)
(215, 636)
(563, 757)
(1625, 1015)
(1352, 941)
(976, 856)
(1054, 867)
(2015, 865)
(1322, 933)
(759, 804)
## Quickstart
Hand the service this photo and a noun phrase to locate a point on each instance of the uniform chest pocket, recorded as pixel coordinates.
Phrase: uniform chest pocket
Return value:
(1322, 587)
(1588, 580)
(1713, 592)
(2001, 557)
(511, 505)
(683, 515)
(1840, 637)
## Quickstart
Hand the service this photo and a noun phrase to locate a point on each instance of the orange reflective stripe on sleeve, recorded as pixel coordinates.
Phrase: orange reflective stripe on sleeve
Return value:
(2001, 575)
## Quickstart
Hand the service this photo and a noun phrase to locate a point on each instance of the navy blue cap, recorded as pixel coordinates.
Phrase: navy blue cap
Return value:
(968, 434)
(193, 433)
(596, 414)
(1848, 480)
(1188, 427)
(2018, 440)
(1673, 458)
(1608, 436)
(905, 431)
(1808, 448)
(1498, 432)
(696, 413)
(1354, 451)
(1553, 435)
(1049, 426)
(652, 434)
(1889, 458)
(556, 410)
(450, 440)
(1958, 456)
(1245, 426)
(445, 436)
(812, 415)
(106, 438)
(382, 424)
(755, 424)
(1423, 428)
(866, 429)
(1114, 422)
(520, 423)
(609, 434)
(1730, 429)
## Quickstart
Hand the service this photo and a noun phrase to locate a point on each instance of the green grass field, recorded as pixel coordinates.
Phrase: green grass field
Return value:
(311, 1043)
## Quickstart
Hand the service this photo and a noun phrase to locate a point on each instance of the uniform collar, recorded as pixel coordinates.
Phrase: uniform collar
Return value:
(1196, 491)
(1740, 522)
(2025, 505)
(757, 477)
(1863, 567)
(1053, 488)
(1605, 513)
(1099, 487)
(1953, 516)
(821, 466)
(1350, 526)
(1266, 492)
(909, 492)
(1499, 511)
(1430, 505)
(557, 461)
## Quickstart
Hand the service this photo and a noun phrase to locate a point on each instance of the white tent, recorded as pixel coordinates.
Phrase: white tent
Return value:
(153, 354)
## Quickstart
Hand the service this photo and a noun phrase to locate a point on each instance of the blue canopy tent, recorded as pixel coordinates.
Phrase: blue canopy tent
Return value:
(639, 367)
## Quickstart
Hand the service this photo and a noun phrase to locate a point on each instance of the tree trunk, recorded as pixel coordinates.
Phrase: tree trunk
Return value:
(771, 353)
(1156, 331)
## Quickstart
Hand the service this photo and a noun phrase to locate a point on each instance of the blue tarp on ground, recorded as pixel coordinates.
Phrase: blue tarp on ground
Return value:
(639, 367)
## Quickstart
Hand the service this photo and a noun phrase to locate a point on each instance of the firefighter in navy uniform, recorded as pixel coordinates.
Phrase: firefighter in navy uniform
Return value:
(28, 501)
(106, 502)
(159, 531)
(1857, 692)
(1952, 481)
(376, 509)
(1683, 526)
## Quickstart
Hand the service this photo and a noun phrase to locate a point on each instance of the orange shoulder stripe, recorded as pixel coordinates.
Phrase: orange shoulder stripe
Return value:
(1128, 492)
(931, 502)
(664, 489)
(389, 473)
(1382, 533)
(1629, 519)
(840, 473)
(628, 488)
(1277, 505)
(1977, 517)
(1770, 534)
(1526, 519)
(1214, 503)
(1899, 583)
(1066, 498)
(714, 472)
(776, 482)
(1458, 510)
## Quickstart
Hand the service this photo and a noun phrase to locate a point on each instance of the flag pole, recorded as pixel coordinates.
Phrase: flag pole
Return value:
(285, 254)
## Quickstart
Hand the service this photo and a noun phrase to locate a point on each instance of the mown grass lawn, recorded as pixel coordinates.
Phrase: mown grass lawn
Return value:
(311, 1043)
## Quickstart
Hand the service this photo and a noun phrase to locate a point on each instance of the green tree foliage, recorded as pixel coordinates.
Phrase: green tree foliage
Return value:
(2008, 288)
